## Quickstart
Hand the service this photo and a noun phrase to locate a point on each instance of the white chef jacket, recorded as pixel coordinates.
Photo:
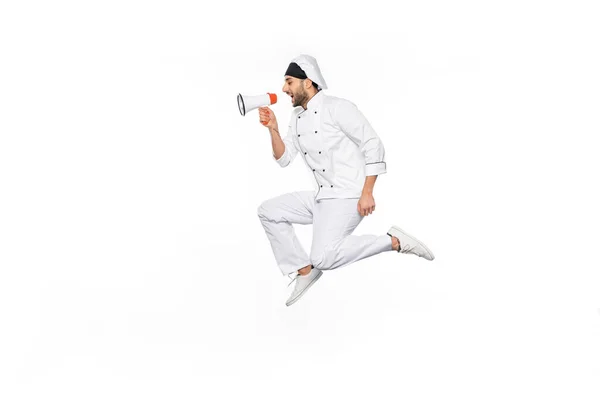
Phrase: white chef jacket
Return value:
(338, 145)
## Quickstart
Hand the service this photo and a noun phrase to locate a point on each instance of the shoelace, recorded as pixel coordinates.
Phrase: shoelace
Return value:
(406, 249)
(295, 277)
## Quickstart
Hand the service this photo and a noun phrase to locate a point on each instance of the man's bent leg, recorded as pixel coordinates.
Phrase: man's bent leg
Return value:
(277, 216)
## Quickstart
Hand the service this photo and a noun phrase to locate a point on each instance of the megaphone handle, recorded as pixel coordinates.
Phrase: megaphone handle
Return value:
(265, 122)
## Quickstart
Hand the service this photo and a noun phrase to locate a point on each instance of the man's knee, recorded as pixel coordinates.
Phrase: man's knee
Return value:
(264, 210)
(260, 211)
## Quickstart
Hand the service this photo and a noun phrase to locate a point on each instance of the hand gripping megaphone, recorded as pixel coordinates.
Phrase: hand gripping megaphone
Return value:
(249, 103)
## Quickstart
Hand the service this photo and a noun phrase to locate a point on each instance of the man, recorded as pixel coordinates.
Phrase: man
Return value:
(345, 156)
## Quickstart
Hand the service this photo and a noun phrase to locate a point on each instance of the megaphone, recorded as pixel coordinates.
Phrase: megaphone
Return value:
(249, 103)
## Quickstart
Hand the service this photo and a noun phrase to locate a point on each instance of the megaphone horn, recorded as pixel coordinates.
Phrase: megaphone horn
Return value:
(249, 103)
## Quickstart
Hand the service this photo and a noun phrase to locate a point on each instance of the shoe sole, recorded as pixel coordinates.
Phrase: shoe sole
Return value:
(413, 238)
(305, 289)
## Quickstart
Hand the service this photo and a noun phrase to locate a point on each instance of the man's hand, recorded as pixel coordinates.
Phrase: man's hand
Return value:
(366, 204)
(267, 117)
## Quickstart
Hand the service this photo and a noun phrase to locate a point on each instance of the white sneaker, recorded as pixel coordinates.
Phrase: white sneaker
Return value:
(303, 282)
(409, 244)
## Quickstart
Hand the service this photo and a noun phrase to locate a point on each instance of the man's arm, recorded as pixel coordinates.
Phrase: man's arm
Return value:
(369, 184)
(354, 124)
(284, 151)
(277, 143)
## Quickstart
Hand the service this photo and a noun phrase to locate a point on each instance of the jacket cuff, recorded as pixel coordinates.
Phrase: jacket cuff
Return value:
(377, 168)
(284, 160)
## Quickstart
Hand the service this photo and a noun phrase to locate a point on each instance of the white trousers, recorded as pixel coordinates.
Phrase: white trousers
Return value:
(333, 221)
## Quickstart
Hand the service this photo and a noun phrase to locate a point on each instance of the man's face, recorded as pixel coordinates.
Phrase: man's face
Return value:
(293, 87)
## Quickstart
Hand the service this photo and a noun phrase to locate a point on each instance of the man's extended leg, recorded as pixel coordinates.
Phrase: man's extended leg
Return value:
(333, 246)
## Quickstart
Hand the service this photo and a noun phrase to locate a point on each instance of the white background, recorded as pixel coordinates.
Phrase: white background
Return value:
(134, 266)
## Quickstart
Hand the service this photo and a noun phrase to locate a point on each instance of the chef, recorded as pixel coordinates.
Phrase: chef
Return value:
(345, 156)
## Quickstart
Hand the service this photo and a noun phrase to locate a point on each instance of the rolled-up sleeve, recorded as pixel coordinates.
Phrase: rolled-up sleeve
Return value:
(354, 124)
(290, 150)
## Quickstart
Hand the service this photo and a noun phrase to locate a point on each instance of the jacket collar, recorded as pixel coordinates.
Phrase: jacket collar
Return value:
(315, 102)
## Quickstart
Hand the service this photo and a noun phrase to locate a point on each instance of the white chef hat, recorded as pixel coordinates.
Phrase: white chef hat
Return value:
(308, 68)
